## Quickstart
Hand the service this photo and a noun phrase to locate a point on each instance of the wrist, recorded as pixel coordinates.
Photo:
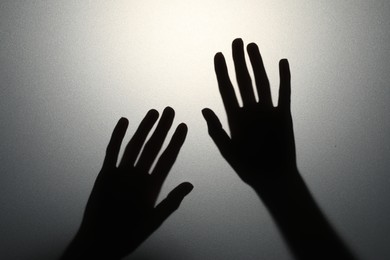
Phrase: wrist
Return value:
(85, 246)
(278, 184)
(287, 198)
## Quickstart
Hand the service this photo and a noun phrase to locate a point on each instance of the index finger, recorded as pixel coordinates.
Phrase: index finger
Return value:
(114, 145)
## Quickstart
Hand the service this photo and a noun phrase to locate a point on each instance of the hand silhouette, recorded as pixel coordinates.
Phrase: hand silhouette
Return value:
(121, 211)
(261, 149)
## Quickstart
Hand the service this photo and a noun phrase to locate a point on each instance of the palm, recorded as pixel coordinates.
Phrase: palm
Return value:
(260, 141)
(122, 209)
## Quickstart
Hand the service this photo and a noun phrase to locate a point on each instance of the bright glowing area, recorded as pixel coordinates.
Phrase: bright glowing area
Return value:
(70, 69)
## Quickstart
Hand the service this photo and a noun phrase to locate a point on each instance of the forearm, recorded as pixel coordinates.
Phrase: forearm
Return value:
(81, 248)
(86, 247)
(78, 249)
(301, 222)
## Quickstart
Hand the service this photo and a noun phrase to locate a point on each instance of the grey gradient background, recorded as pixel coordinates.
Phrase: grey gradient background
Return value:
(70, 69)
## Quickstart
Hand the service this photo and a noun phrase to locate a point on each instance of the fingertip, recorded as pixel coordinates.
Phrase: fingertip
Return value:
(205, 110)
(284, 68)
(218, 57)
(169, 110)
(123, 121)
(121, 126)
(188, 186)
(189, 189)
(238, 41)
(252, 46)
(283, 62)
(207, 113)
(180, 135)
(185, 188)
(183, 127)
(153, 113)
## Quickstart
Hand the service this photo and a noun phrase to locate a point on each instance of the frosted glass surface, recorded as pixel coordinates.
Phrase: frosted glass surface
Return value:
(70, 69)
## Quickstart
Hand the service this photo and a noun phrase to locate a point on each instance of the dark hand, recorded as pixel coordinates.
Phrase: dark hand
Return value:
(121, 211)
(261, 147)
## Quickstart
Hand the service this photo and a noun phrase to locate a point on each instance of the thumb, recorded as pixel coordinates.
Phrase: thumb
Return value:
(171, 203)
(216, 132)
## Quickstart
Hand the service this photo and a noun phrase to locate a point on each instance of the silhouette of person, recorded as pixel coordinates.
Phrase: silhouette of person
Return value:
(261, 149)
(121, 212)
